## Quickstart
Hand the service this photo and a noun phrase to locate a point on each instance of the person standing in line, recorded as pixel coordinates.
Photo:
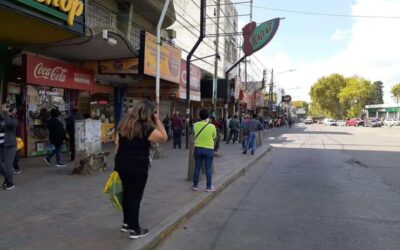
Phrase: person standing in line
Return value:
(56, 137)
(167, 124)
(9, 125)
(135, 133)
(177, 127)
(234, 129)
(253, 126)
(205, 133)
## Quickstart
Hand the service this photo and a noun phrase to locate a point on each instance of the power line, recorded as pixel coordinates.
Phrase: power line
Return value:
(326, 14)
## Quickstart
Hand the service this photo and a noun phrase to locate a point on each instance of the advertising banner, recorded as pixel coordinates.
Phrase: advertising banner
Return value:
(42, 71)
(195, 78)
(170, 65)
(259, 99)
(119, 66)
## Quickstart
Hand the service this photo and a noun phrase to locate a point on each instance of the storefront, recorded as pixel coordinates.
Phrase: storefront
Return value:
(49, 84)
(102, 108)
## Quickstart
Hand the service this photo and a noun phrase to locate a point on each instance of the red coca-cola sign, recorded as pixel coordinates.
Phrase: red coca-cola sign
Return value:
(42, 71)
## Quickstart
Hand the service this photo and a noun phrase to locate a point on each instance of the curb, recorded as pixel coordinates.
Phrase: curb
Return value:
(170, 224)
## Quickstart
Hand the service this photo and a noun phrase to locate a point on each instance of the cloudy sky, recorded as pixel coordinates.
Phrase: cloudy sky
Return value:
(318, 45)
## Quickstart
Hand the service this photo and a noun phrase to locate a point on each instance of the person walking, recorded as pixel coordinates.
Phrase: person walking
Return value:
(234, 129)
(245, 131)
(135, 133)
(177, 127)
(56, 137)
(252, 126)
(205, 133)
(9, 125)
(167, 125)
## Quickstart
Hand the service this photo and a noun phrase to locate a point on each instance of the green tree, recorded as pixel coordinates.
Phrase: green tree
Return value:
(301, 104)
(396, 90)
(316, 110)
(377, 94)
(355, 95)
(325, 95)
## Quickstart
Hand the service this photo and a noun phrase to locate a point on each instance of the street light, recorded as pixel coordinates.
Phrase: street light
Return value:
(271, 87)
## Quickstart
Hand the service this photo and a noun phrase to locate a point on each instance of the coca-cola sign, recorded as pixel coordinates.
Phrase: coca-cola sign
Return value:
(42, 71)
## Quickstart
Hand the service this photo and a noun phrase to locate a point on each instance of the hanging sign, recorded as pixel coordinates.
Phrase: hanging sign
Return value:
(256, 37)
(286, 98)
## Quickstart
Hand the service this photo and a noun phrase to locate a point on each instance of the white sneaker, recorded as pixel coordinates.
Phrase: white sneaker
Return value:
(61, 165)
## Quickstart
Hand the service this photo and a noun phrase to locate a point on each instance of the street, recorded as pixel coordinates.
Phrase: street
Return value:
(319, 188)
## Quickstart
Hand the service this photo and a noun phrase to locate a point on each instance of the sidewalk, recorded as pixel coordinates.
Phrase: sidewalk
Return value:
(51, 209)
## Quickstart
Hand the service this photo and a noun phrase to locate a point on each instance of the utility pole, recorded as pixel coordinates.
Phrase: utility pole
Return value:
(188, 59)
(214, 91)
(271, 89)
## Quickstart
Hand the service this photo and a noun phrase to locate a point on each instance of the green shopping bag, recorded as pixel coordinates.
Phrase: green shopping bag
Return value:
(113, 189)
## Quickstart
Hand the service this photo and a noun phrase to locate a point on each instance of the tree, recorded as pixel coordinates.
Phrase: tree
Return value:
(377, 94)
(396, 91)
(325, 95)
(355, 95)
(300, 104)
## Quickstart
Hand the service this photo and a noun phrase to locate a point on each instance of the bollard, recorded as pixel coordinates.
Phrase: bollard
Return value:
(259, 138)
(241, 136)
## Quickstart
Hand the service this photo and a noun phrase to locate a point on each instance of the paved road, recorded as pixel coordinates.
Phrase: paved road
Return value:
(319, 188)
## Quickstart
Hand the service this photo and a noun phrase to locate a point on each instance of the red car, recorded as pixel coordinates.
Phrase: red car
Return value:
(355, 122)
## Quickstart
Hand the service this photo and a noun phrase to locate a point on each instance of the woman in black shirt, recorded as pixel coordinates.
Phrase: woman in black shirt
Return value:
(140, 127)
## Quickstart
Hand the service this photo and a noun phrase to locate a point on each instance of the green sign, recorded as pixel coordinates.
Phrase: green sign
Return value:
(392, 110)
(256, 37)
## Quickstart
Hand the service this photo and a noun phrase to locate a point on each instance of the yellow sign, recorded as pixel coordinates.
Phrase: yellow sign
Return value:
(170, 65)
(119, 66)
(74, 8)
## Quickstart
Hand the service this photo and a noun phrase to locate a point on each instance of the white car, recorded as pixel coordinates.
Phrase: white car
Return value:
(330, 122)
(341, 123)
(391, 122)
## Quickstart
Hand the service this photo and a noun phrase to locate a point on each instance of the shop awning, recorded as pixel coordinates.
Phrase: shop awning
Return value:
(90, 48)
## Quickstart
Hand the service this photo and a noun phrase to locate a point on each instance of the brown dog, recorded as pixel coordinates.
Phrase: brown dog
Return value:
(91, 163)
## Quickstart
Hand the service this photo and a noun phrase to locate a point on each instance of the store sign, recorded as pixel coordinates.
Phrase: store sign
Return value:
(170, 65)
(63, 9)
(195, 78)
(42, 71)
(119, 66)
(260, 99)
(256, 37)
(286, 98)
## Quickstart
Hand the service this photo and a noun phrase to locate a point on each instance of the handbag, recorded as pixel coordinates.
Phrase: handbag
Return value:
(113, 189)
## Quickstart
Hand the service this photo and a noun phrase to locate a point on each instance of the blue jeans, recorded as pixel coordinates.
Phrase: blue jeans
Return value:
(234, 133)
(200, 155)
(251, 141)
(177, 136)
(56, 152)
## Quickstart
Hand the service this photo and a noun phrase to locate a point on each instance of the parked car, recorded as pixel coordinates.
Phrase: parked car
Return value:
(355, 122)
(330, 122)
(341, 123)
(308, 121)
(374, 123)
(391, 122)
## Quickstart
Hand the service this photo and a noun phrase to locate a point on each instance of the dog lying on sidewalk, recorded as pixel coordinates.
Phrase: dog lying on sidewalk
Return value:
(91, 163)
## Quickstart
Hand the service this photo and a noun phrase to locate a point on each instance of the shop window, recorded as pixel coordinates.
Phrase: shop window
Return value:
(98, 16)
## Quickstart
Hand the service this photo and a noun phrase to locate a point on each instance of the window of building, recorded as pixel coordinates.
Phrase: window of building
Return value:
(134, 35)
(97, 15)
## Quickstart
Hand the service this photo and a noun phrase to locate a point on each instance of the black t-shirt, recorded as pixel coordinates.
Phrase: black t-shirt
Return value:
(133, 155)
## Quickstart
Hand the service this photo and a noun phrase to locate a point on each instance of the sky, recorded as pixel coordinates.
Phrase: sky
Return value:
(317, 46)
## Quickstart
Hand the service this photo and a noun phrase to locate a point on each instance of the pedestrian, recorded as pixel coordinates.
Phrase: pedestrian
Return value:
(252, 126)
(245, 131)
(56, 137)
(233, 129)
(167, 124)
(218, 128)
(135, 134)
(205, 133)
(20, 146)
(177, 128)
(9, 125)
(70, 127)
